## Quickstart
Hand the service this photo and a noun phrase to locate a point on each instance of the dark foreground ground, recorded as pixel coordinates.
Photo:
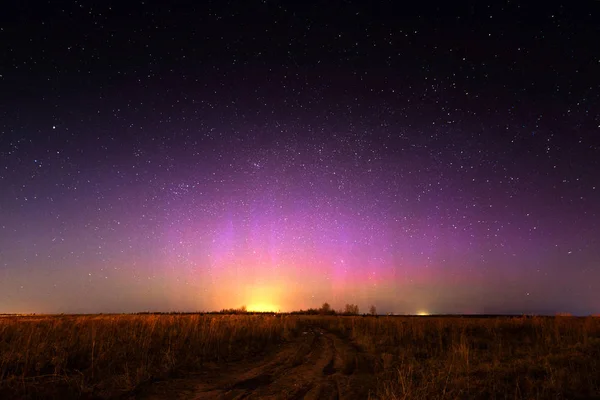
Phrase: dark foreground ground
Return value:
(315, 365)
(193, 356)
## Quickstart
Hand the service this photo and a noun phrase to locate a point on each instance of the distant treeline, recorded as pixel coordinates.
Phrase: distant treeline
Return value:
(350, 309)
(326, 309)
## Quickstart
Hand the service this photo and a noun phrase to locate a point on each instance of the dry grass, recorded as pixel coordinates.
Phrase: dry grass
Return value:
(110, 356)
(480, 358)
(413, 358)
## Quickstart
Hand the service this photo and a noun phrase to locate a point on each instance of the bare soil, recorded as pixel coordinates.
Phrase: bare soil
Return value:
(316, 365)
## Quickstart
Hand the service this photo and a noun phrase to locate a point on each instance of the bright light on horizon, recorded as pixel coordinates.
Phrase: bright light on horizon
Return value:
(262, 308)
(264, 298)
(422, 313)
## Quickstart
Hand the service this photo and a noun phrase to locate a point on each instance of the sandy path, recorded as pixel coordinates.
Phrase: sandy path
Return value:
(316, 365)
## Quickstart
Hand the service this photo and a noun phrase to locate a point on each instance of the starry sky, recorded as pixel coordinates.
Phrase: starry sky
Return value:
(424, 158)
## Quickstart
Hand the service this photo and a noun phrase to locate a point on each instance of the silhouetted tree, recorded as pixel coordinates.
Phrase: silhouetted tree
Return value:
(241, 310)
(325, 308)
(351, 309)
(373, 310)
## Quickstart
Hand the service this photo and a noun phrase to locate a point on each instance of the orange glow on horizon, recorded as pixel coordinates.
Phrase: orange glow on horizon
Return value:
(259, 307)
(263, 298)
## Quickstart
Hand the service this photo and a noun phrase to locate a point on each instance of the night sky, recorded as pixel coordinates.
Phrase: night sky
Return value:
(166, 156)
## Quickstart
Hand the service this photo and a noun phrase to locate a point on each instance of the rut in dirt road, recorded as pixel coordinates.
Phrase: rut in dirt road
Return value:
(317, 365)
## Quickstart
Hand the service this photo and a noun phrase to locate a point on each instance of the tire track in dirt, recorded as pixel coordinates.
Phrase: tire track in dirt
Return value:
(317, 365)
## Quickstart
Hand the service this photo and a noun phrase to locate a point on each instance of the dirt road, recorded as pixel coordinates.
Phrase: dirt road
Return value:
(316, 365)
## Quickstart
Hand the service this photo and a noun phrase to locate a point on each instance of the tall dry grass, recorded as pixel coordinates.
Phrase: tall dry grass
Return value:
(107, 356)
(479, 358)
(410, 358)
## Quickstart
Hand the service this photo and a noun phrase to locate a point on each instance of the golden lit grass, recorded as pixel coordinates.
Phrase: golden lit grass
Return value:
(411, 357)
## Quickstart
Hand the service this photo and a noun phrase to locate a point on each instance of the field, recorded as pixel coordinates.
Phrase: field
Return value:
(296, 356)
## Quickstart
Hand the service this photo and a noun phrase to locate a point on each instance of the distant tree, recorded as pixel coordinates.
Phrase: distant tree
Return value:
(325, 308)
(373, 310)
(351, 309)
(240, 310)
